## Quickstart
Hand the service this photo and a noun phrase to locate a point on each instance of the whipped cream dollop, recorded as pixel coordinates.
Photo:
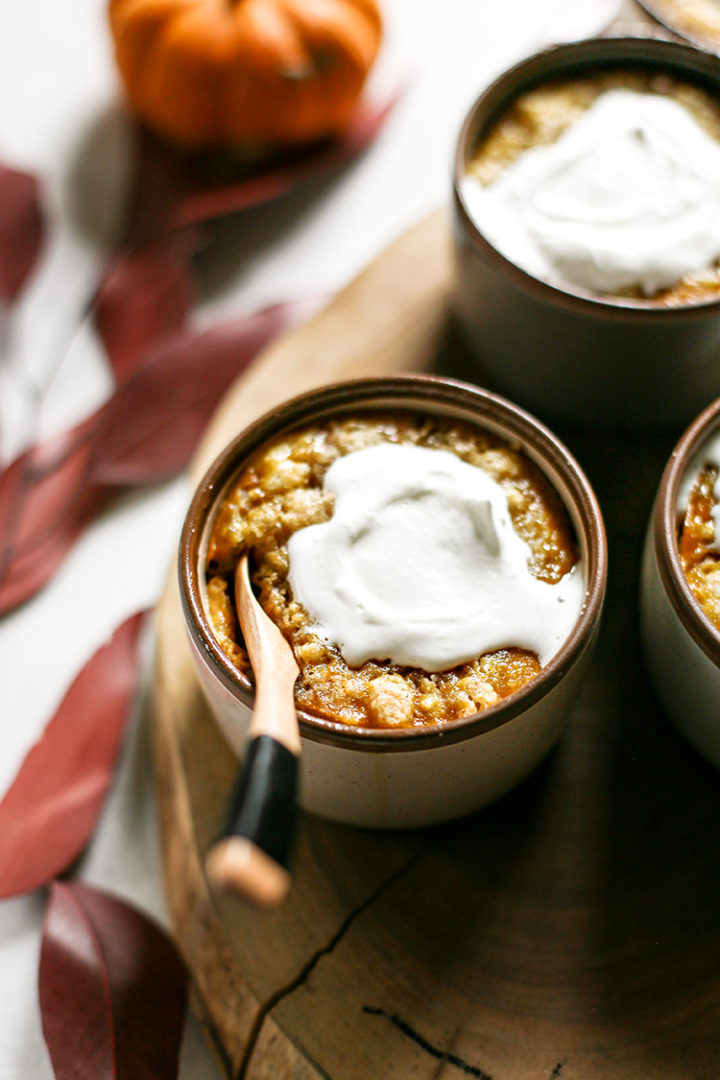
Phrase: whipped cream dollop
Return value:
(420, 564)
(627, 196)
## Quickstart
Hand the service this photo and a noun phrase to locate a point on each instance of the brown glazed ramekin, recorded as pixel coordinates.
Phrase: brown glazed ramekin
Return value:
(681, 646)
(569, 355)
(409, 776)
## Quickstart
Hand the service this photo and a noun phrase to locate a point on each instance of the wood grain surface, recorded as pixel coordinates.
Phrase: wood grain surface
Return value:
(570, 931)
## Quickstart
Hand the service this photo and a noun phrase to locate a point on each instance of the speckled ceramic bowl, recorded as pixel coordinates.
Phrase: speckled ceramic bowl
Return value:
(411, 776)
(570, 355)
(681, 647)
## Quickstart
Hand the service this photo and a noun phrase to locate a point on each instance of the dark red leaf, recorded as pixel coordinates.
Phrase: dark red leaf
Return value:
(22, 229)
(50, 811)
(174, 189)
(151, 426)
(45, 503)
(37, 487)
(145, 295)
(206, 202)
(161, 175)
(146, 432)
(24, 574)
(113, 990)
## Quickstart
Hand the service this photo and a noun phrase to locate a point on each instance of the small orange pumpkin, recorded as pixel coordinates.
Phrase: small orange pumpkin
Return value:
(245, 72)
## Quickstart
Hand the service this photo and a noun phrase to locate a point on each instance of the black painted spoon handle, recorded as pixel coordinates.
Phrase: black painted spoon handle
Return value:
(251, 857)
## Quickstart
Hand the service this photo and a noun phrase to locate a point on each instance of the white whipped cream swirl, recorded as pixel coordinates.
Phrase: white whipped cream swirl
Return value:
(420, 564)
(627, 196)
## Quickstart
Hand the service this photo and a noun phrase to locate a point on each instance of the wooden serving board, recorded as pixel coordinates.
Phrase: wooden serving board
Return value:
(570, 931)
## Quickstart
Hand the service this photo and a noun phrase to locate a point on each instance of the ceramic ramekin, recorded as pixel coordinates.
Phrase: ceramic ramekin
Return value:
(567, 354)
(406, 777)
(681, 647)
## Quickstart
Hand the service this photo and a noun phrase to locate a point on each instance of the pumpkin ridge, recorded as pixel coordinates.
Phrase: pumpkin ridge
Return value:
(336, 23)
(137, 27)
(265, 23)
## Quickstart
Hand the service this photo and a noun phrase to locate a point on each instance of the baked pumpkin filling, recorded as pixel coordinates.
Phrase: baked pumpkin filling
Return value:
(697, 543)
(284, 489)
(609, 183)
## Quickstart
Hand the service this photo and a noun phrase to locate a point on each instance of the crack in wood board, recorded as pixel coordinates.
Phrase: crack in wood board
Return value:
(444, 1056)
(424, 1044)
(311, 963)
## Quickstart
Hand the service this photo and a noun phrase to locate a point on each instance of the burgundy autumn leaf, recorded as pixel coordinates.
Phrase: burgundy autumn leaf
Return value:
(37, 486)
(146, 295)
(30, 569)
(22, 229)
(45, 503)
(112, 987)
(49, 812)
(173, 188)
(148, 431)
(161, 175)
(204, 201)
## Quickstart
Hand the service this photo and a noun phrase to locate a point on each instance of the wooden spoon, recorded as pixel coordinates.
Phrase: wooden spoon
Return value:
(251, 857)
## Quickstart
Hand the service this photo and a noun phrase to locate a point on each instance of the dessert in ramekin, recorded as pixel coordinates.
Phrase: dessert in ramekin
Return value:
(587, 235)
(680, 588)
(372, 536)
(409, 713)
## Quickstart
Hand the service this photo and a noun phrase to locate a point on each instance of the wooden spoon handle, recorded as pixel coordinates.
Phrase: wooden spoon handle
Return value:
(251, 858)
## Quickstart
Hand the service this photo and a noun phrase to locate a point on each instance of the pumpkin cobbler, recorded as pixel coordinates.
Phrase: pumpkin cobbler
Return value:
(538, 119)
(280, 490)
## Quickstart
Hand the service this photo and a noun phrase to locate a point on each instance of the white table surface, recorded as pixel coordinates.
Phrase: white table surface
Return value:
(60, 109)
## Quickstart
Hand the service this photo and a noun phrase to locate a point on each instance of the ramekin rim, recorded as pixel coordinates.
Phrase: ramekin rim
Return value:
(366, 392)
(539, 65)
(664, 523)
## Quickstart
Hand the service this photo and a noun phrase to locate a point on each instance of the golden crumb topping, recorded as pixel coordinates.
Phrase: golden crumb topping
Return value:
(281, 490)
